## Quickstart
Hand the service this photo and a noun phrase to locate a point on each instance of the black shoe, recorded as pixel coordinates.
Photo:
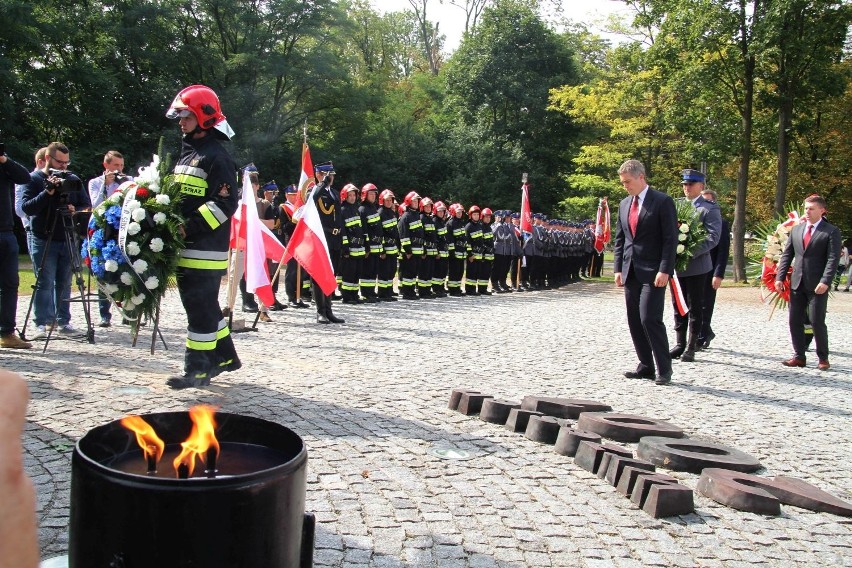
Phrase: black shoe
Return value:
(105, 323)
(299, 304)
(322, 319)
(639, 374)
(677, 351)
(277, 306)
(688, 356)
(250, 309)
(663, 379)
(185, 382)
(410, 297)
(335, 297)
(332, 318)
(371, 299)
(388, 299)
(710, 337)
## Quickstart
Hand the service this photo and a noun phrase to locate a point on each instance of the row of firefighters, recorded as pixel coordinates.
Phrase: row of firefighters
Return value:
(434, 250)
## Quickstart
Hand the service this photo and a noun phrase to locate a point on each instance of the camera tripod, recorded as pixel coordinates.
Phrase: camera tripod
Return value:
(72, 243)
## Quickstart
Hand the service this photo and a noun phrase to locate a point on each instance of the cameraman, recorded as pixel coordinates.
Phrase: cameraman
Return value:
(44, 200)
(11, 173)
(101, 188)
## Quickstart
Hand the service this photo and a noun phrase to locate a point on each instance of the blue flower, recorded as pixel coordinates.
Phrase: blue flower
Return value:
(113, 216)
(110, 251)
(93, 222)
(84, 250)
(97, 239)
(97, 266)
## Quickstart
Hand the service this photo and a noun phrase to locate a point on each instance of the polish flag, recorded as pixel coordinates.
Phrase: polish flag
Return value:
(306, 178)
(259, 244)
(310, 249)
(526, 214)
(603, 232)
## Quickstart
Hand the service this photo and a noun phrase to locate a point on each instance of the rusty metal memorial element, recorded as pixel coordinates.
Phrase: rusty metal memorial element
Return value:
(694, 455)
(544, 429)
(497, 411)
(519, 418)
(455, 397)
(627, 480)
(562, 407)
(569, 439)
(616, 465)
(661, 495)
(626, 427)
(763, 495)
(471, 403)
(589, 454)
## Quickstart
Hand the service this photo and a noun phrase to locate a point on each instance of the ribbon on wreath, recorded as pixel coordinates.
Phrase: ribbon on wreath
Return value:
(677, 294)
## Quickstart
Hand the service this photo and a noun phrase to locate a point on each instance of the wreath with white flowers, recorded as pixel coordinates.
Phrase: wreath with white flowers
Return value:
(133, 241)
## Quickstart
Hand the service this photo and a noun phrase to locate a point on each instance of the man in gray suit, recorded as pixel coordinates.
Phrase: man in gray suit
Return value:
(645, 249)
(815, 246)
(693, 278)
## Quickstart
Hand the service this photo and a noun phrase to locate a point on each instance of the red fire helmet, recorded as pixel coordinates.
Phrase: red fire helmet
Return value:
(473, 209)
(386, 194)
(204, 104)
(412, 195)
(488, 212)
(346, 189)
(366, 189)
(440, 205)
(424, 202)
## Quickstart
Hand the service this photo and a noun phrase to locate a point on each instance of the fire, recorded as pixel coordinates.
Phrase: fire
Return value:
(201, 439)
(151, 444)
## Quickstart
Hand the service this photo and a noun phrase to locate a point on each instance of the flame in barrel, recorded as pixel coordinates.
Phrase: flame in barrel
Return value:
(151, 444)
(201, 440)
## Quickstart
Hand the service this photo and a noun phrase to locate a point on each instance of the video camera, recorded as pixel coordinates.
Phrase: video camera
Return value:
(119, 176)
(68, 181)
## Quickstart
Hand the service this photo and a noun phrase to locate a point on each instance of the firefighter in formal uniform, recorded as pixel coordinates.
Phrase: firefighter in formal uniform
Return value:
(487, 247)
(284, 228)
(430, 249)
(411, 244)
(353, 244)
(371, 221)
(207, 178)
(457, 248)
(473, 230)
(390, 245)
(439, 275)
(328, 205)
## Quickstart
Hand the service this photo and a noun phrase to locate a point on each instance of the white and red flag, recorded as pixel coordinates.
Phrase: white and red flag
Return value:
(526, 213)
(306, 177)
(603, 233)
(310, 249)
(249, 234)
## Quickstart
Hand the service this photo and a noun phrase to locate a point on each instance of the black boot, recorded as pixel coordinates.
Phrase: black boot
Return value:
(330, 315)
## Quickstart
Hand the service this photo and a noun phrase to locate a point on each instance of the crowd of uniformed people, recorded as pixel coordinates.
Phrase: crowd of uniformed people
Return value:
(434, 249)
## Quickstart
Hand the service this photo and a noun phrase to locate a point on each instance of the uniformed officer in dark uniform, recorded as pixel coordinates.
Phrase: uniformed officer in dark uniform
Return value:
(328, 205)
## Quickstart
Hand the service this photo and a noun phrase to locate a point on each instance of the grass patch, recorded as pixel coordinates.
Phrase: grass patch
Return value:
(25, 273)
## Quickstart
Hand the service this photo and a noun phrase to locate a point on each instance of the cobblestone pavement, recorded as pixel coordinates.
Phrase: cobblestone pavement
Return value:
(370, 400)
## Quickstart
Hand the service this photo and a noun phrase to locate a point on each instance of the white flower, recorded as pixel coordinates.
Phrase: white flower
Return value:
(152, 283)
(138, 214)
(149, 175)
(681, 237)
(132, 205)
(101, 209)
(128, 305)
(133, 248)
(684, 228)
(111, 288)
(163, 199)
(110, 266)
(156, 244)
(680, 249)
(138, 299)
(140, 266)
(160, 218)
(133, 228)
(115, 197)
(126, 278)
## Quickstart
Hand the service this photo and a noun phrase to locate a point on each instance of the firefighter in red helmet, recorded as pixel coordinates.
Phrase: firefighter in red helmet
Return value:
(372, 224)
(207, 177)
(353, 244)
(390, 246)
(487, 246)
(411, 244)
(457, 248)
(473, 272)
(430, 249)
(439, 275)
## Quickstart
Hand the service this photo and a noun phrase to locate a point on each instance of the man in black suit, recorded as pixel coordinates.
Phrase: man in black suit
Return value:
(645, 249)
(719, 256)
(815, 245)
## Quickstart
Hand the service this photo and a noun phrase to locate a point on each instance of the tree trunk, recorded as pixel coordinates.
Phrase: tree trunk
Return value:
(742, 174)
(785, 120)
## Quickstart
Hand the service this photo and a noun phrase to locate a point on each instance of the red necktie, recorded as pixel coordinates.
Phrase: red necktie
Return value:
(808, 235)
(633, 216)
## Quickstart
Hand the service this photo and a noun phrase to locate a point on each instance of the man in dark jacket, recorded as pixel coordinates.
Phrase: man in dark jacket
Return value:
(11, 173)
(719, 256)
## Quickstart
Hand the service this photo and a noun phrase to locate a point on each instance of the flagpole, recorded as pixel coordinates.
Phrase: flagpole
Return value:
(299, 266)
(524, 178)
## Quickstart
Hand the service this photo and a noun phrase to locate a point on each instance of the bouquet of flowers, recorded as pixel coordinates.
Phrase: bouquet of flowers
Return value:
(134, 239)
(774, 237)
(691, 232)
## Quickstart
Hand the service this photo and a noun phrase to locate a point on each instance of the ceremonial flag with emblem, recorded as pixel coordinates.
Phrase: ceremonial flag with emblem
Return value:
(526, 214)
(310, 249)
(306, 178)
(258, 242)
(602, 226)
